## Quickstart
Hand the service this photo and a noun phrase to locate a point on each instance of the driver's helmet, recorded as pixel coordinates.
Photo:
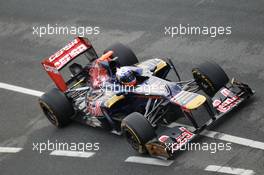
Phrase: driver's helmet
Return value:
(126, 76)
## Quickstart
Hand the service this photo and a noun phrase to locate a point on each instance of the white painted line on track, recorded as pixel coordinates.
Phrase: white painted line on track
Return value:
(20, 89)
(9, 149)
(72, 153)
(229, 170)
(148, 161)
(234, 139)
(226, 137)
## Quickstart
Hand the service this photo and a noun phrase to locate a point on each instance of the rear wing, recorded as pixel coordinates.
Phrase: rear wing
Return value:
(61, 58)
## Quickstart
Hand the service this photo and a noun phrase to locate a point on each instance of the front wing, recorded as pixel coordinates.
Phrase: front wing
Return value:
(170, 139)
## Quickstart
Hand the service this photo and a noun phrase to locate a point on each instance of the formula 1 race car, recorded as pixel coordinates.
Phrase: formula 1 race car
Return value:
(117, 92)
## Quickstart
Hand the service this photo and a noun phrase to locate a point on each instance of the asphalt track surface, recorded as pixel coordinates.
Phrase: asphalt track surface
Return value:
(141, 26)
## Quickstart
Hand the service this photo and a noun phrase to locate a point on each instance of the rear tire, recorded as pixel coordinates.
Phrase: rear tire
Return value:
(210, 77)
(56, 107)
(138, 131)
(126, 57)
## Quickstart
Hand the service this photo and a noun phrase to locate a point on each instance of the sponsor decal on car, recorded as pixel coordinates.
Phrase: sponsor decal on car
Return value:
(230, 101)
(64, 55)
(50, 69)
(182, 139)
(178, 141)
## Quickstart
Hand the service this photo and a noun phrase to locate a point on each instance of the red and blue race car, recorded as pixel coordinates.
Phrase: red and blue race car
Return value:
(117, 92)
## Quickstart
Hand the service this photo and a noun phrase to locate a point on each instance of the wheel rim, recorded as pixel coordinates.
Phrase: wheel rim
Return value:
(49, 114)
(203, 84)
(132, 140)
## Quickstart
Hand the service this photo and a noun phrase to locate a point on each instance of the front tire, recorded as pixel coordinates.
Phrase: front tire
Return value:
(56, 107)
(138, 131)
(210, 77)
